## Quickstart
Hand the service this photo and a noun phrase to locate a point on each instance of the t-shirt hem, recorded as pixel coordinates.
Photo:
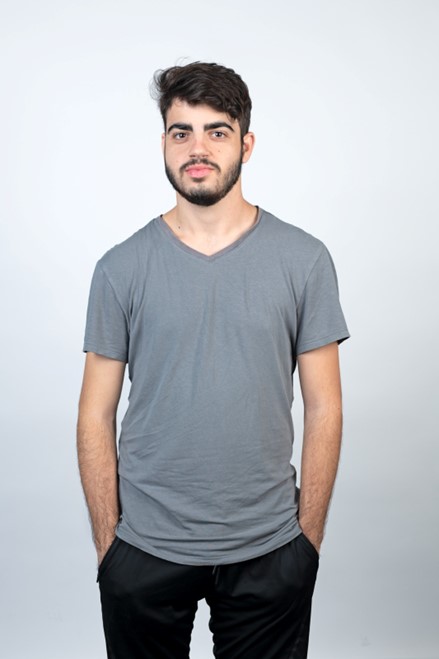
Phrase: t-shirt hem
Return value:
(339, 336)
(214, 559)
(105, 352)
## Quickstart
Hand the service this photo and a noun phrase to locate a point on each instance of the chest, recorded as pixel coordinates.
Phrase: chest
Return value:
(177, 297)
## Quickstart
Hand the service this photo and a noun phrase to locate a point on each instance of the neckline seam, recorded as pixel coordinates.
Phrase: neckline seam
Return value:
(209, 257)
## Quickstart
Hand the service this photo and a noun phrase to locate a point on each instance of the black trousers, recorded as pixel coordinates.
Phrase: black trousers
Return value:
(260, 608)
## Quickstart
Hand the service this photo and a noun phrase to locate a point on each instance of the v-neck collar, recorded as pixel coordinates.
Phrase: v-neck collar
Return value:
(164, 227)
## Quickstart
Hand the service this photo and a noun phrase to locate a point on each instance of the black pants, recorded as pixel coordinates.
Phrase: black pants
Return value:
(260, 608)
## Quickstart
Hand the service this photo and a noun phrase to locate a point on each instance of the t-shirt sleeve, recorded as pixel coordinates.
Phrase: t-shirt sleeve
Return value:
(320, 317)
(107, 328)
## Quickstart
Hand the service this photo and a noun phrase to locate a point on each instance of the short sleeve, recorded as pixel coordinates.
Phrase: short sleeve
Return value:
(106, 331)
(320, 317)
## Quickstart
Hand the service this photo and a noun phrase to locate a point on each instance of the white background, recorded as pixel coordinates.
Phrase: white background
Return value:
(346, 113)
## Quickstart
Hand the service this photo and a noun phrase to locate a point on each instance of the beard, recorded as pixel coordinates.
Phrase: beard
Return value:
(202, 195)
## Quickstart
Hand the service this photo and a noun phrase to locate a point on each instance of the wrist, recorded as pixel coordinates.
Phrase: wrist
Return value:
(104, 538)
(103, 547)
(312, 532)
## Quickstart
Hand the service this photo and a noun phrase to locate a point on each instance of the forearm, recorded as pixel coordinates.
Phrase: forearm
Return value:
(320, 457)
(97, 458)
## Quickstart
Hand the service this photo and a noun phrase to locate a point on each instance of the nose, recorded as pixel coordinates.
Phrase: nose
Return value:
(198, 147)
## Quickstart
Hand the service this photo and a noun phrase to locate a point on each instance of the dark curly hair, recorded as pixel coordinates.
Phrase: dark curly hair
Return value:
(202, 83)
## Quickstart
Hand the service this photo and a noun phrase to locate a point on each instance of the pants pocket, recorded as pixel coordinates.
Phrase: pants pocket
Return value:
(107, 557)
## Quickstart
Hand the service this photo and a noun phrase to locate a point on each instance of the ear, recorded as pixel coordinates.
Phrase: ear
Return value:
(248, 143)
(163, 142)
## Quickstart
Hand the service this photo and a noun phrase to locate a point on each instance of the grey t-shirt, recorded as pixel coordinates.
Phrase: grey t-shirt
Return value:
(211, 345)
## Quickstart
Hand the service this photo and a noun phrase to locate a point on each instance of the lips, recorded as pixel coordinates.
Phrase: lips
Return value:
(198, 171)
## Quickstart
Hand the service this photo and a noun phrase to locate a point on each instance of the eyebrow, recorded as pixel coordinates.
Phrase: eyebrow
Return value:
(211, 126)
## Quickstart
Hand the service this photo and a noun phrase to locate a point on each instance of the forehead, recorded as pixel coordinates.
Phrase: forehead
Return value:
(182, 112)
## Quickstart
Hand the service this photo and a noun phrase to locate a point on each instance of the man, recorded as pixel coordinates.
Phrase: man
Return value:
(212, 305)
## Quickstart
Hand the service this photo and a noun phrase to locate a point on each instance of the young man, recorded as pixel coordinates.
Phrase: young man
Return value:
(212, 305)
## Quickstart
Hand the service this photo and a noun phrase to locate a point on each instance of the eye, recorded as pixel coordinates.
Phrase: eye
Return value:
(179, 136)
(218, 133)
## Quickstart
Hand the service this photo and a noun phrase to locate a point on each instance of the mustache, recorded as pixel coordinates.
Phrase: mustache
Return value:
(199, 161)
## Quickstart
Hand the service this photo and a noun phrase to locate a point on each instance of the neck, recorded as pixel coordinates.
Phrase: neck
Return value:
(222, 218)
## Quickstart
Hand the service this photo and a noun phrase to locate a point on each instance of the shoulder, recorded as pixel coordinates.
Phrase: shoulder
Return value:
(126, 255)
(291, 240)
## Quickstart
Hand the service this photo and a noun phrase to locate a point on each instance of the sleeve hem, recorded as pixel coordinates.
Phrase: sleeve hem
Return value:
(105, 352)
(339, 336)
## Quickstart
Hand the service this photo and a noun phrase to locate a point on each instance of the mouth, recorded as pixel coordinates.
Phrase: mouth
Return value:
(198, 171)
(198, 168)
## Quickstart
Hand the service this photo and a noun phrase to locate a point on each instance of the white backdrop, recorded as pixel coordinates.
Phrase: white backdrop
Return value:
(346, 113)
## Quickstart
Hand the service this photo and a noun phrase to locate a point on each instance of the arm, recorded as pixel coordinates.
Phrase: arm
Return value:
(96, 443)
(321, 390)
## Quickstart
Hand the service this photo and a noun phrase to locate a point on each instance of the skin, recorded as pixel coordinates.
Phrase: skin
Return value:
(96, 444)
(189, 137)
(319, 375)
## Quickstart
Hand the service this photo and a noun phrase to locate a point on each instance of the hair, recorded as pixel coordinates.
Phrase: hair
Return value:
(200, 83)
